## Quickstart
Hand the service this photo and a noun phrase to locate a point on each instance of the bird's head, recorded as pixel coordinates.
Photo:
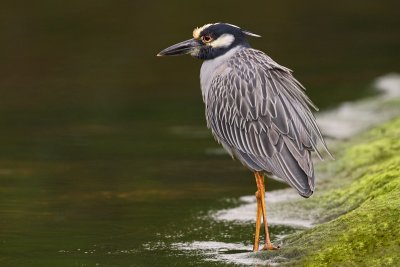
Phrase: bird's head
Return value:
(210, 41)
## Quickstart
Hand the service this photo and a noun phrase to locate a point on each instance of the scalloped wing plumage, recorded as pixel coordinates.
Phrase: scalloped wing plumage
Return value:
(258, 111)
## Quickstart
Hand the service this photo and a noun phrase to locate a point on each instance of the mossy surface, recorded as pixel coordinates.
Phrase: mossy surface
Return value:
(360, 219)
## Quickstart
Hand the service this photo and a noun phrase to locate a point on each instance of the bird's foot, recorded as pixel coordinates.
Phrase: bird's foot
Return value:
(269, 246)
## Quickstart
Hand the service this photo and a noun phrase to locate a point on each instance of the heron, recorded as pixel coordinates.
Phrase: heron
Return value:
(256, 110)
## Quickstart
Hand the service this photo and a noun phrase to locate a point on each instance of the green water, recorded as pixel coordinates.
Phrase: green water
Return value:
(105, 158)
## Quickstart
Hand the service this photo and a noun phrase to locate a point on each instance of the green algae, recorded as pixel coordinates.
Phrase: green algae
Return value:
(368, 234)
(363, 170)
(358, 208)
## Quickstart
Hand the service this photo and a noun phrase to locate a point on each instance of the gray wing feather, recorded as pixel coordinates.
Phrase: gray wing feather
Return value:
(261, 115)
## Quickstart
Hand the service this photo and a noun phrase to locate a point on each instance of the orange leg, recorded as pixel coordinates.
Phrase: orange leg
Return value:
(258, 222)
(261, 206)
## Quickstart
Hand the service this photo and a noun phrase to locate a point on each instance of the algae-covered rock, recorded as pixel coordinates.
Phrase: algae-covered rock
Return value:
(358, 208)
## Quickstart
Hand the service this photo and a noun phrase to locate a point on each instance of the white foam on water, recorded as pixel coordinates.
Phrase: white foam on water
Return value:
(216, 251)
(246, 212)
(352, 118)
(388, 84)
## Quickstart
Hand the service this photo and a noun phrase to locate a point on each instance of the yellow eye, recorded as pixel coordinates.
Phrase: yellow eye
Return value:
(206, 38)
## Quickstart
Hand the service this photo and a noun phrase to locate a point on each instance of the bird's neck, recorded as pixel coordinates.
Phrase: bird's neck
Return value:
(212, 67)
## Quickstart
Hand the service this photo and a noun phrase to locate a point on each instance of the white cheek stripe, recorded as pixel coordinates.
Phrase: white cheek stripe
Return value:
(224, 40)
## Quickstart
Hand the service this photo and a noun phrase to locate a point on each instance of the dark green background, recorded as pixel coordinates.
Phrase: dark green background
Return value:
(104, 154)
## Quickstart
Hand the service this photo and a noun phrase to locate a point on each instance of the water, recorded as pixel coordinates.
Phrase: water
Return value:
(105, 158)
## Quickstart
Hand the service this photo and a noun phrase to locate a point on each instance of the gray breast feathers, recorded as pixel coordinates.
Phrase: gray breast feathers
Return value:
(261, 115)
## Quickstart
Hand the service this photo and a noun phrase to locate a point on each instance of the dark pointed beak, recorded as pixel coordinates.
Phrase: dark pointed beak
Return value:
(182, 48)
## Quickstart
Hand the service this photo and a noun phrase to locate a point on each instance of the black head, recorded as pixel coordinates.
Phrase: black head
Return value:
(211, 41)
